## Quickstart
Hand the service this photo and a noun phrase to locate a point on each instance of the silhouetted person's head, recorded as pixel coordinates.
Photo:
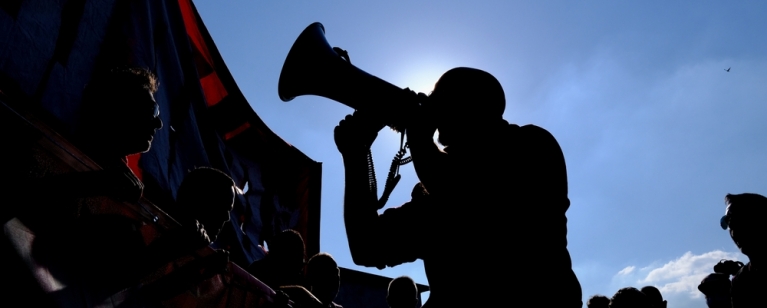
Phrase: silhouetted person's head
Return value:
(598, 301)
(654, 296)
(716, 288)
(402, 293)
(466, 100)
(323, 277)
(629, 297)
(745, 216)
(288, 252)
(118, 115)
(206, 195)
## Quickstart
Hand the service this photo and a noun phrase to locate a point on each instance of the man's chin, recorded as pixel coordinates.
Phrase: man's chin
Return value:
(139, 150)
(747, 251)
(147, 145)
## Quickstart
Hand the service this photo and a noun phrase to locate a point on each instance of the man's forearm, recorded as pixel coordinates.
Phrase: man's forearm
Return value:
(360, 211)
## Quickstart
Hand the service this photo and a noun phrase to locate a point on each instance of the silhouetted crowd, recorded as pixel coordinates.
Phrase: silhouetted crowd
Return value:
(732, 283)
(629, 297)
(315, 283)
(445, 210)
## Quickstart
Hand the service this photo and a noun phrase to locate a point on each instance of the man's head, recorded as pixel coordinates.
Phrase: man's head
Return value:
(629, 297)
(206, 195)
(402, 293)
(654, 296)
(465, 99)
(716, 288)
(745, 217)
(288, 252)
(598, 301)
(323, 277)
(119, 115)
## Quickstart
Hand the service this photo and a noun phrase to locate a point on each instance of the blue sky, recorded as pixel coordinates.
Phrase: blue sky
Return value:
(654, 131)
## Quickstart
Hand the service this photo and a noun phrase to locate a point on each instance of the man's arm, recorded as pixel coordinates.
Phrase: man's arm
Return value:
(353, 136)
(360, 211)
(371, 237)
(547, 175)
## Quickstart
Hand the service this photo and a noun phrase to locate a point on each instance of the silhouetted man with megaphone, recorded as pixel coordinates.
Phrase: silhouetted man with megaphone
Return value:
(488, 218)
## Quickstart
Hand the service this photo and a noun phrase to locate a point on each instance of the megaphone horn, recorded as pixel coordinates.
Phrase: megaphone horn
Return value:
(312, 67)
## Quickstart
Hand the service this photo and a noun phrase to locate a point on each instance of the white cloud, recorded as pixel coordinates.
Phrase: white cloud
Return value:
(626, 270)
(679, 276)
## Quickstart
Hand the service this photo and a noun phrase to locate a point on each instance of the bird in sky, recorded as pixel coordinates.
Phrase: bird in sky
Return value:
(728, 69)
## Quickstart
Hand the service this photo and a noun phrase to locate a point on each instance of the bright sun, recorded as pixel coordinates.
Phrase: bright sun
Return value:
(421, 78)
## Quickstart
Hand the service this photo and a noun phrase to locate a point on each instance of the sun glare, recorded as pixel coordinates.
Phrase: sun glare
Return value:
(420, 78)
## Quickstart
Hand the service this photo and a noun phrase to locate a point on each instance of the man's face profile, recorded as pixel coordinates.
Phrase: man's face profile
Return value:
(327, 288)
(442, 110)
(742, 234)
(134, 120)
(748, 233)
(220, 205)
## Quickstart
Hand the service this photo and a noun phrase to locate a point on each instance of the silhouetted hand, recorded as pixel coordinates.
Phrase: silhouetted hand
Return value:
(422, 121)
(197, 237)
(356, 133)
(415, 117)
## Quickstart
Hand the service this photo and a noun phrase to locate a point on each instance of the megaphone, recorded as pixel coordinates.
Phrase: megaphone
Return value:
(312, 67)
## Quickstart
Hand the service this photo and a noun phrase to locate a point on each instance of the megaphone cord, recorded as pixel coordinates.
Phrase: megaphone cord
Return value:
(372, 182)
(393, 177)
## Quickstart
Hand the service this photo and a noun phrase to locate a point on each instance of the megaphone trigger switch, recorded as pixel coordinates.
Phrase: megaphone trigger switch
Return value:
(343, 54)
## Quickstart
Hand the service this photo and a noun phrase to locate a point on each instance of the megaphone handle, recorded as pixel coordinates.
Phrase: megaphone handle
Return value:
(393, 177)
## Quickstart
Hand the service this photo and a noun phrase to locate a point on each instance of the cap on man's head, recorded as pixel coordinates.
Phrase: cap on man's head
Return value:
(477, 87)
(746, 205)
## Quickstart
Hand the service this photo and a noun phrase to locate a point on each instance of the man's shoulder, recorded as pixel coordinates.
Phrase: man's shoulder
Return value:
(535, 131)
(748, 278)
(531, 136)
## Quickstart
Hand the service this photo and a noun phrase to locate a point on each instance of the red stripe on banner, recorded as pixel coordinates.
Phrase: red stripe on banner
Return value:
(213, 89)
(212, 86)
(133, 165)
(237, 131)
(190, 22)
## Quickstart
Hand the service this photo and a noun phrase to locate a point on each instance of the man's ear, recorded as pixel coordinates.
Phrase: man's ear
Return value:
(665, 304)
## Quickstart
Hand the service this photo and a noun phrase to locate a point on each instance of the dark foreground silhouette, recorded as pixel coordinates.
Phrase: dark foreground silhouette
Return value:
(745, 216)
(488, 167)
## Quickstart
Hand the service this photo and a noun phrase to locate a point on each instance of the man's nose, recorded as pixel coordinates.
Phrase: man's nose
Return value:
(157, 122)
